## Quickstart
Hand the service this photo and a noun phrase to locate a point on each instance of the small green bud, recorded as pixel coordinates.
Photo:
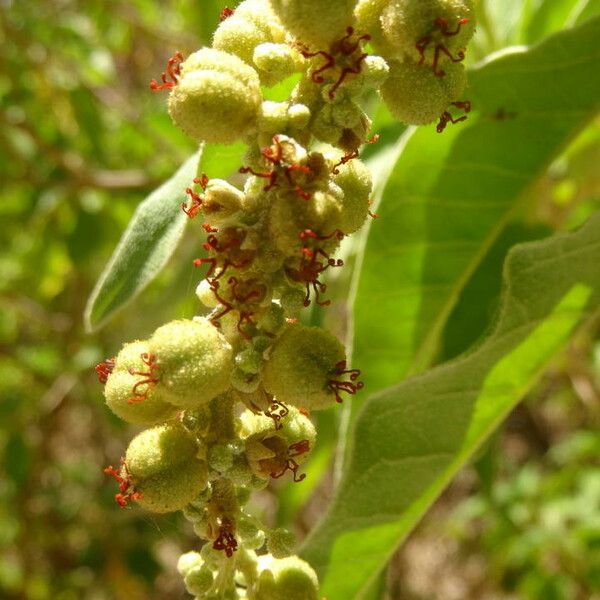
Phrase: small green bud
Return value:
(220, 457)
(194, 359)
(277, 60)
(302, 367)
(292, 301)
(273, 319)
(132, 390)
(187, 562)
(249, 361)
(299, 116)
(286, 579)
(252, 537)
(262, 15)
(415, 95)
(354, 178)
(199, 580)
(162, 466)
(314, 22)
(217, 98)
(375, 70)
(239, 36)
(245, 382)
(240, 472)
(368, 19)
(281, 543)
(243, 495)
(206, 294)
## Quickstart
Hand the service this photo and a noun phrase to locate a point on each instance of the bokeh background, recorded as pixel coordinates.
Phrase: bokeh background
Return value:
(82, 141)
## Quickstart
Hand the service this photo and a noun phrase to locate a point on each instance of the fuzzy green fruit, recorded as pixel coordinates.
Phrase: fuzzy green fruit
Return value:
(163, 467)
(217, 98)
(405, 23)
(129, 397)
(301, 367)
(314, 22)
(194, 359)
(415, 95)
(286, 579)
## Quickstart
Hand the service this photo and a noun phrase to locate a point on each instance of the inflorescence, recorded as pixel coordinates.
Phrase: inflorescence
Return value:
(226, 398)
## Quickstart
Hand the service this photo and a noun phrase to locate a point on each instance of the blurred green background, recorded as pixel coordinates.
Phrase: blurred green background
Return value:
(82, 141)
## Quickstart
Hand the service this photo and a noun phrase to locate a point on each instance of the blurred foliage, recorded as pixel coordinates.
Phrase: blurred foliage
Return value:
(82, 142)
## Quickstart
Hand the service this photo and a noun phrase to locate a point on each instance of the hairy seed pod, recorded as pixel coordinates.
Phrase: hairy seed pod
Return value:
(240, 36)
(416, 96)
(314, 22)
(277, 61)
(163, 468)
(133, 391)
(302, 364)
(217, 98)
(261, 14)
(194, 359)
(199, 580)
(410, 24)
(286, 579)
(188, 561)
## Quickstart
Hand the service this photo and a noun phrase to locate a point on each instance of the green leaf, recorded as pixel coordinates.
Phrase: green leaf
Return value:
(147, 244)
(550, 16)
(451, 195)
(410, 440)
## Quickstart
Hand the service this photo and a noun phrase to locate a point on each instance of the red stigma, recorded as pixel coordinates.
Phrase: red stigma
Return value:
(149, 378)
(226, 540)
(126, 492)
(446, 117)
(197, 200)
(104, 369)
(441, 25)
(170, 77)
(295, 450)
(338, 386)
(226, 13)
(277, 411)
(342, 59)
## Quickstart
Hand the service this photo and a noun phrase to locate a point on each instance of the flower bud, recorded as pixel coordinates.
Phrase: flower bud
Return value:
(133, 391)
(314, 22)
(188, 561)
(354, 178)
(199, 580)
(194, 359)
(249, 361)
(217, 98)
(222, 202)
(368, 20)
(220, 457)
(301, 367)
(277, 61)
(239, 36)
(163, 468)
(416, 96)
(286, 579)
(272, 452)
(281, 543)
(290, 215)
(206, 295)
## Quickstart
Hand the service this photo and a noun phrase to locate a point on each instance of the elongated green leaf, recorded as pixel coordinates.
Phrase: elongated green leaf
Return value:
(145, 247)
(410, 440)
(451, 195)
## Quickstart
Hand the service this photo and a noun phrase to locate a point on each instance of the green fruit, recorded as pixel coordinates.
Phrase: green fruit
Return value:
(163, 468)
(286, 579)
(194, 359)
(301, 365)
(217, 98)
(415, 95)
